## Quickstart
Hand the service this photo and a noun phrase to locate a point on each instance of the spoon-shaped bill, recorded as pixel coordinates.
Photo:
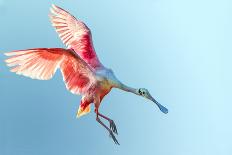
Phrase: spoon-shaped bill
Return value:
(161, 107)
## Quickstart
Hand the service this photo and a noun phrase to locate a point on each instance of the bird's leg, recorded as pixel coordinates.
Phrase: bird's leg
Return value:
(112, 124)
(111, 133)
(107, 128)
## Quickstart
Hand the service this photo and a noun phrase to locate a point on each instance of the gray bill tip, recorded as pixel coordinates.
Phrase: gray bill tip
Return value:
(161, 107)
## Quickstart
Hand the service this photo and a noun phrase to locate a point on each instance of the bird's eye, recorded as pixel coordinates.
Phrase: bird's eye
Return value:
(143, 92)
(140, 92)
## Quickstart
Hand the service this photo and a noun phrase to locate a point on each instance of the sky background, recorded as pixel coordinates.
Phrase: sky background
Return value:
(179, 50)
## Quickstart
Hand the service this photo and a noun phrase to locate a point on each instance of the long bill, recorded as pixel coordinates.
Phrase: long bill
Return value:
(133, 90)
(161, 107)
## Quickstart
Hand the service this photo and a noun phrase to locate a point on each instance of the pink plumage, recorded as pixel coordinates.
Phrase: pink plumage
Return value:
(80, 67)
(74, 34)
(42, 63)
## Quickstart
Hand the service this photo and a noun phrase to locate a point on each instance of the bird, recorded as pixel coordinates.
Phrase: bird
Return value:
(82, 71)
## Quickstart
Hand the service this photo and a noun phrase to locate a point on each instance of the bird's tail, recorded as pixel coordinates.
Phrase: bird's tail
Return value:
(82, 111)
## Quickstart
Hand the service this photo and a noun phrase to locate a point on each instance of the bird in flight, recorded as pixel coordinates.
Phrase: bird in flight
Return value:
(82, 72)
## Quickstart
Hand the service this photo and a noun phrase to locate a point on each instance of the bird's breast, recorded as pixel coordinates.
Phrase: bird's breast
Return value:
(106, 79)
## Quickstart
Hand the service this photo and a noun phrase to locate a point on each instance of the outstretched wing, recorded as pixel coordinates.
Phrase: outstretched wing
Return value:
(42, 63)
(74, 34)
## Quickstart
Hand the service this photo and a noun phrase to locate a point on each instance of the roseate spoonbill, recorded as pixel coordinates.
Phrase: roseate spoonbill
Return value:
(82, 71)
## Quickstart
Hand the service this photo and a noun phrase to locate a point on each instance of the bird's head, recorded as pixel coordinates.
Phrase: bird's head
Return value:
(145, 93)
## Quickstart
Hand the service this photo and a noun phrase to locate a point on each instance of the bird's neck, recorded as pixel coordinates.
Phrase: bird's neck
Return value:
(127, 88)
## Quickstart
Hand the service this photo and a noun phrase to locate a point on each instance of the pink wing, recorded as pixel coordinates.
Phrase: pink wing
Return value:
(75, 34)
(42, 63)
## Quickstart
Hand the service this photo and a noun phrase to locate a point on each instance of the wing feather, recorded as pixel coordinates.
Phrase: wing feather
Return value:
(42, 64)
(74, 34)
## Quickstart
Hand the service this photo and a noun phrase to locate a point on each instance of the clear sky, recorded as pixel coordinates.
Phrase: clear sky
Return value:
(179, 50)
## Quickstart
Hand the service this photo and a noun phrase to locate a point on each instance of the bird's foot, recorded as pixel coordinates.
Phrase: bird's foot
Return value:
(113, 137)
(113, 127)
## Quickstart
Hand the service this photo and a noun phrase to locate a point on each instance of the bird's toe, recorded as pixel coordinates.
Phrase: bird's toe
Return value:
(113, 127)
(114, 138)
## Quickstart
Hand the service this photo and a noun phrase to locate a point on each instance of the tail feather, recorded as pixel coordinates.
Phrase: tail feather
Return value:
(82, 112)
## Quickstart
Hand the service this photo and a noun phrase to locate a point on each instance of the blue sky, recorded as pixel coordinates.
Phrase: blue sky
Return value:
(179, 50)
